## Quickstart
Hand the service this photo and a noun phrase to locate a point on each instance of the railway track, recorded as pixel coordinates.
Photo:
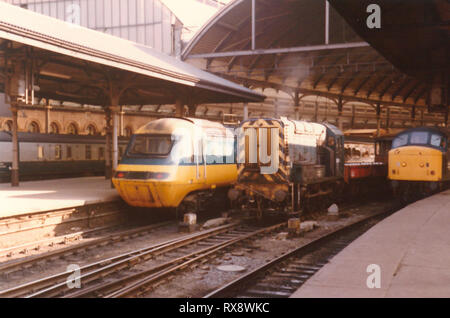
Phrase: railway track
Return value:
(281, 277)
(20, 233)
(40, 259)
(128, 273)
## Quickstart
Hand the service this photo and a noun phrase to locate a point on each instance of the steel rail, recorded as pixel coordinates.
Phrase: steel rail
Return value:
(230, 289)
(188, 260)
(115, 237)
(55, 284)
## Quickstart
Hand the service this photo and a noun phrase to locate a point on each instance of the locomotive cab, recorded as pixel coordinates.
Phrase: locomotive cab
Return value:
(418, 161)
(418, 155)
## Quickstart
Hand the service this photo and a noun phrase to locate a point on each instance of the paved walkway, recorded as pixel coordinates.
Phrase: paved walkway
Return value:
(412, 248)
(36, 196)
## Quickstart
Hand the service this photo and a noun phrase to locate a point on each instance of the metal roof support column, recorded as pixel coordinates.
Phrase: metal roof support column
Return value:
(47, 118)
(121, 127)
(297, 104)
(179, 108)
(192, 109)
(253, 25)
(15, 146)
(353, 116)
(108, 172)
(421, 118)
(245, 111)
(446, 118)
(413, 116)
(327, 22)
(378, 119)
(115, 138)
(388, 118)
(340, 106)
(316, 112)
(275, 108)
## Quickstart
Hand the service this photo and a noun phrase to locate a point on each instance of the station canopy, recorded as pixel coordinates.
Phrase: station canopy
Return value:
(302, 47)
(70, 63)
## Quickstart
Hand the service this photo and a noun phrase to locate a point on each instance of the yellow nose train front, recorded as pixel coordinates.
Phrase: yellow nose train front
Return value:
(171, 158)
(415, 163)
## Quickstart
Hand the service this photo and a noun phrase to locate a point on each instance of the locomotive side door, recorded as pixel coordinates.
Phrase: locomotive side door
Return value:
(200, 161)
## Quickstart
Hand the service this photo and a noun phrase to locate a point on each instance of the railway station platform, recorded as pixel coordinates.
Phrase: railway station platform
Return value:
(39, 196)
(411, 248)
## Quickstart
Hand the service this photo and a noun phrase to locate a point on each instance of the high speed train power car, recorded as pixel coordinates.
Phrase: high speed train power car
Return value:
(419, 161)
(177, 163)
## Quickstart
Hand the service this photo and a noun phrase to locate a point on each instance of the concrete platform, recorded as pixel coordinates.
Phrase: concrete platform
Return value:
(412, 248)
(37, 196)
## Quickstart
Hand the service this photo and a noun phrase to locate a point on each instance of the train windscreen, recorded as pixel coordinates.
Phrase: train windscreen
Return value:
(150, 145)
(420, 138)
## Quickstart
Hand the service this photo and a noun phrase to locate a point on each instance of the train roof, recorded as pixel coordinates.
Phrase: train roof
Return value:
(444, 131)
(168, 125)
(52, 138)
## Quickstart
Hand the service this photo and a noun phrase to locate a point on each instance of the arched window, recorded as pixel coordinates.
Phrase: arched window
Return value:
(128, 131)
(7, 126)
(33, 127)
(91, 130)
(54, 128)
(72, 129)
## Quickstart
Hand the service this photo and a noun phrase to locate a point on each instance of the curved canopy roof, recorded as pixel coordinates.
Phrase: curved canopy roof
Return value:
(73, 63)
(296, 52)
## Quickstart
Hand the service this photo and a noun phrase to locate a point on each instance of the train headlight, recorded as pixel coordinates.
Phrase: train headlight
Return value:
(120, 175)
(421, 165)
(404, 164)
(432, 172)
(160, 175)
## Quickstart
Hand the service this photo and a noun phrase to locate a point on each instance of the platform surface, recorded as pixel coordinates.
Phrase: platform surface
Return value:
(411, 247)
(36, 196)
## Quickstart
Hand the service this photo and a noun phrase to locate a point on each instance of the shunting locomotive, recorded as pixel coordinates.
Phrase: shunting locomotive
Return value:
(287, 164)
(419, 161)
(177, 163)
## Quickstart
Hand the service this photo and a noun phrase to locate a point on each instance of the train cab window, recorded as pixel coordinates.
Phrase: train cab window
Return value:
(214, 150)
(88, 153)
(144, 145)
(419, 137)
(331, 141)
(69, 152)
(438, 141)
(58, 152)
(400, 141)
